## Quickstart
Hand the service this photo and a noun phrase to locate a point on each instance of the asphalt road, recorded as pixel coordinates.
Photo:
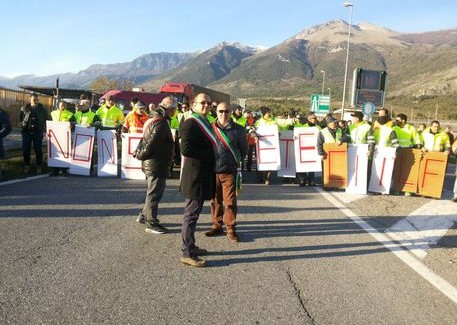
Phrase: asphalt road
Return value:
(72, 253)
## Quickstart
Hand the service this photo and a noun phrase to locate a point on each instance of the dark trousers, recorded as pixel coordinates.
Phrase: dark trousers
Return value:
(154, 193)
(37, 141)
(224, 206)
(192, 211)
(251, 150)
(306, 178)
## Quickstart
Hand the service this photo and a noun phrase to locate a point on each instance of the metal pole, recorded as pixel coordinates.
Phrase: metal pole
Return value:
(343, 103)
(323, 81)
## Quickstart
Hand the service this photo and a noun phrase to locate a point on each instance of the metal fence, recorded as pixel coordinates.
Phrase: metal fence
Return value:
(12, 100)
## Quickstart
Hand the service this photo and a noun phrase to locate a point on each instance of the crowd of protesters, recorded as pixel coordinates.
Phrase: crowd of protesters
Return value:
(215, 143)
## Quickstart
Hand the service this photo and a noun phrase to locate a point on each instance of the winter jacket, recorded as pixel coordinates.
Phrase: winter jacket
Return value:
(33, 120)
(157, 145)
(225, 162)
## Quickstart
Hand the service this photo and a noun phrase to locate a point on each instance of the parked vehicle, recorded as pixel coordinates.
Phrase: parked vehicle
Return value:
(185, 92)
(122, 98)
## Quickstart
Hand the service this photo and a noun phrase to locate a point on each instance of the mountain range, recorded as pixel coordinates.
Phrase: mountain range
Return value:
(417, 64)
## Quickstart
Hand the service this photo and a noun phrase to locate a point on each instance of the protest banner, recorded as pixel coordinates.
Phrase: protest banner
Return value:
(381, 171)
(306, 157)
(59, 144)
(268, 153)
(357, 169)
(335, 165)
(83, 148)
(431, 174)
(107, 153)
(130, 166)
(406, 170)
(286, 148)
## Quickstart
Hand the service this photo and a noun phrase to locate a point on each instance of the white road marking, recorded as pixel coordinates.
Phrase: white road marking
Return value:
(30, 178)
(424, 226)
(420, 268)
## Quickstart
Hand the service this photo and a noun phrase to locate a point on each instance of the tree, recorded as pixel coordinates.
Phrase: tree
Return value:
(102, 84)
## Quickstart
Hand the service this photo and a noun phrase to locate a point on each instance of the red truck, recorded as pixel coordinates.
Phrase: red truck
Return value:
(185, 92)
(122, 98)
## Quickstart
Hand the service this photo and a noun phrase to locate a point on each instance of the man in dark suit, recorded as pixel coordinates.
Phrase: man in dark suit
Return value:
(198, 178)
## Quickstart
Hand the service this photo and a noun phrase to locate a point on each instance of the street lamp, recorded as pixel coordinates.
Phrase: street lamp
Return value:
(350, 5)
(323, 80)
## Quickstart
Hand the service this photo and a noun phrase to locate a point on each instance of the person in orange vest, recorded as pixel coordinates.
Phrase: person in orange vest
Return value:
(134, 121)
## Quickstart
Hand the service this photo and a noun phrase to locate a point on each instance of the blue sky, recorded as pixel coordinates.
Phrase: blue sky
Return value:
(47, 37)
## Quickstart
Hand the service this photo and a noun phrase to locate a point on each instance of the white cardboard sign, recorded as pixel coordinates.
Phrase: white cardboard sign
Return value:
(107, 153)
(83, 148)
(59, 143)
(306, 157)
(381, 171)
(131, 167)
(357, 169)
(268, 153)
(286, 148)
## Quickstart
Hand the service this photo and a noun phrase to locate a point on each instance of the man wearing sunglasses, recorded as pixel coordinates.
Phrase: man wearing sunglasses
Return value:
(232, 146)
(197, 179)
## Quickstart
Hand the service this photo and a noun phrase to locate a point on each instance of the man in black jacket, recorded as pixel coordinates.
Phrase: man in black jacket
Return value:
(232, 146)
(156, 154)
(33, 118)
(197, 179)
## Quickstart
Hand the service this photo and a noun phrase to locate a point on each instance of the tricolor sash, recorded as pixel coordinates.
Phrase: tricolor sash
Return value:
(223, 138)
(205, 126)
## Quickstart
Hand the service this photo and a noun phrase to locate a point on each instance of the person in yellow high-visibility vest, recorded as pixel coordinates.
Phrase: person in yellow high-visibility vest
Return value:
(84, 115)
(61, 114)
(435, 139)
(307, 178)
(406, 133)
(266, 119)
(330, 134)
(359, 131)
(384, 135)
(454, 150)
(110, 115)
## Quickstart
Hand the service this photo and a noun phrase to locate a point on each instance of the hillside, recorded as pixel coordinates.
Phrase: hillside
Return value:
(422, 67)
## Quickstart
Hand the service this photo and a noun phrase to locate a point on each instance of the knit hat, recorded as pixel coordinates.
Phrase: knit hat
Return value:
(265, 110)
(331, 119)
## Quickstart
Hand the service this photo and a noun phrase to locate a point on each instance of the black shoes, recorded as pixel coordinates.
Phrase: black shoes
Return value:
(155, 228)
(214, 232)
(141, 218)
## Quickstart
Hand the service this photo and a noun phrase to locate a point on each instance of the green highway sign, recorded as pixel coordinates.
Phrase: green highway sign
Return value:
(320, 104)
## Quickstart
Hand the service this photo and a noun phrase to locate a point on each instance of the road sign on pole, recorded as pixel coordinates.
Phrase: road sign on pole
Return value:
(368, 108)
(320, 104)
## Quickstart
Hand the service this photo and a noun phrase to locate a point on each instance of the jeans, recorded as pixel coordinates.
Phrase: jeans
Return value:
(154, 193)
(37, 140)
(224, 205)
(192, 211)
